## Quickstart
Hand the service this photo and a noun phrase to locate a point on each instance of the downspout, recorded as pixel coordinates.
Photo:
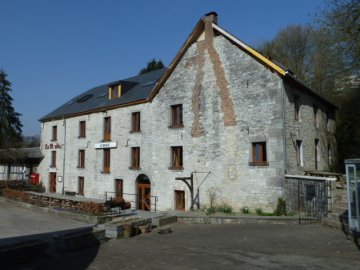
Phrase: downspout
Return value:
(284, 126)
(63, 180)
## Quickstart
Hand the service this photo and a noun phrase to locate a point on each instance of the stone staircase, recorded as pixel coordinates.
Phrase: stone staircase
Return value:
(338, 217)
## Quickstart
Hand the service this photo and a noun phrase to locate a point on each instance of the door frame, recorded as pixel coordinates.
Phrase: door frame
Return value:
(52, 182)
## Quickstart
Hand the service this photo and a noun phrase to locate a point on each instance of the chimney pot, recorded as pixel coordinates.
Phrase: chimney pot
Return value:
(211, 16)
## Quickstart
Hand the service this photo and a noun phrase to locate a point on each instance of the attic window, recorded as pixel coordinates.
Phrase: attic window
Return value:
(84, 98)
(114, 91)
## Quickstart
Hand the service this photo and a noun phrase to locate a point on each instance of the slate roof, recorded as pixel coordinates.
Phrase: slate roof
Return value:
(20, 154)
(133, 89)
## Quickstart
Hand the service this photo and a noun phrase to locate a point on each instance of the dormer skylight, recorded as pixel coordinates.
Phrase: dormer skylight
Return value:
(114, 91)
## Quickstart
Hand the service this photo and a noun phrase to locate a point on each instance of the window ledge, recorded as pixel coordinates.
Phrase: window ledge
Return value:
(173, 168)
(81, 137)
(176, 127)
(53, 140)
(52, 167)
(102, 172)
(80, 167)
(135, 168)
(135, 131)
(265, 163)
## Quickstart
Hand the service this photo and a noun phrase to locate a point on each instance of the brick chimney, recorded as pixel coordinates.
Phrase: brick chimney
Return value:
(211, 17)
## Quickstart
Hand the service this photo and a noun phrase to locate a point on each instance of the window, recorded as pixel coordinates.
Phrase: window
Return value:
(329, 155)
(53, 159)
(82, 129)
(176, 157)
(106, 167)
(81, 186)
(81, 161)
(317, 157)
(107, 129)
(259, 154)
(118, 188)
(299, 153)
(297, 107)
(135, 158)
(135, 122)
(316, 116)
(176, 116)
(54, 133)
(114, 91)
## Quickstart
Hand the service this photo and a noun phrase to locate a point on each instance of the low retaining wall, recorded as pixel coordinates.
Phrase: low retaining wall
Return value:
(237, 220)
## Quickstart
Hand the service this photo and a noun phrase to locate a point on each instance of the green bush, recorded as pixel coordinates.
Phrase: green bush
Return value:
(280, 207)
(245, 210)
(225, 208)
(259, 211)
(210, 210)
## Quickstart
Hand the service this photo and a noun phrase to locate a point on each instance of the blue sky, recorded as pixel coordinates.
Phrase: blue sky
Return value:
(54, 50)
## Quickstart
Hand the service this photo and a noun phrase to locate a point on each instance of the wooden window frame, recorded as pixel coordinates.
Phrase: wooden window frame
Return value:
(107, 129)
(119, 183)
(297, 106)
(82, 129)
(177, 116)
(259, 154)
(316, 148)
(135, 158)
(135, 122)
(81, 159)
(106, 161)
(115, 91)
(53, 159)
(54, 133)
(299, 153)
(177, 158)
(81, 184)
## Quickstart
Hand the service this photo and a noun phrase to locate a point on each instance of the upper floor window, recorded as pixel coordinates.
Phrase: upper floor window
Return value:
(259, 154)
(299, 153)
(176, 116)
(54, 133)
(135, 126)
(106, 161)
(114, 91)
(53, 159)
(176, 158)
(81, 159)
(135, 158)
(82, 129)
(297, 108)
(107, 129)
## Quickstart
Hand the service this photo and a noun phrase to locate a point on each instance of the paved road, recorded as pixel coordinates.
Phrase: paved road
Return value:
(218, 247)
(17, 223)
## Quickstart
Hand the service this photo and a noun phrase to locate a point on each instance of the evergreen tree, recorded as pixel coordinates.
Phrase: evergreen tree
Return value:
(152, 65)
(10, 125)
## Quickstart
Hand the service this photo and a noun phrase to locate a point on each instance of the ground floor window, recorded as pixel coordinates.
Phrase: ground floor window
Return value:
(118, 188)
(259, 157)
(299, 153)
(106, 165)
(81, 185)
(176, 157)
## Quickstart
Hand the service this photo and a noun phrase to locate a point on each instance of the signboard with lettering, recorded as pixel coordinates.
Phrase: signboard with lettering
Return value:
(53, 146)
(104, 145)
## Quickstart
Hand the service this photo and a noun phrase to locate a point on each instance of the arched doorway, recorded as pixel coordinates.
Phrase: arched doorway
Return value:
(143, 192)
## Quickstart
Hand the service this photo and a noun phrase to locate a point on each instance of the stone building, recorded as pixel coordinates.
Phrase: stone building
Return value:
(221, 112)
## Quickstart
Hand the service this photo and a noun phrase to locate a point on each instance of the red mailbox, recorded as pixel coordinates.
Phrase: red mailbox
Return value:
(34, 178)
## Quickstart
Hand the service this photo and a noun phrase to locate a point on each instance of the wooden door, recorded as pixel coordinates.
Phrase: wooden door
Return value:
(180, 200)
(52, 182)
(144, 196)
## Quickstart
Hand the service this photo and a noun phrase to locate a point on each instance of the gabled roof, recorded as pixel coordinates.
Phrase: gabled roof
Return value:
(134, 90)
(283, 71)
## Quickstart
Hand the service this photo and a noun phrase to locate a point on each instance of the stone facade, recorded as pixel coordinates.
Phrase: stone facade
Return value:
(229, 101)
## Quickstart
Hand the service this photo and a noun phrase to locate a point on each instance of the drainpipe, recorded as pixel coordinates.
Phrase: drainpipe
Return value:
(284, 126)
(63, 180)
